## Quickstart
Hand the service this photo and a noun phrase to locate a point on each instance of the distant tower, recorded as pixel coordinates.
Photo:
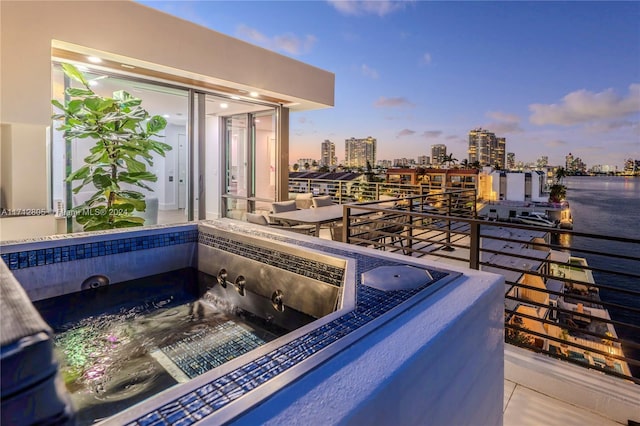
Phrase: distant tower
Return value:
(486, 148)
(542, 162)
(423, 160)
(569, 163)
(511, 161)
(328, 154)
(358, 151)
(438, 153)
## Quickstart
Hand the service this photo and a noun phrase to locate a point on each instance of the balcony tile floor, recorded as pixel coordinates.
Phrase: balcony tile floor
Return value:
(526, 407)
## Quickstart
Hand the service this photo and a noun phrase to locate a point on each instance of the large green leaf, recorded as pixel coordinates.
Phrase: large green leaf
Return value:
(74, 73)
(156, 124)
(81, 173)
(135, 165)
(74, 106)
(125, 99)
(98, 104)
(58, 104)
(78, 92)
(101, 181)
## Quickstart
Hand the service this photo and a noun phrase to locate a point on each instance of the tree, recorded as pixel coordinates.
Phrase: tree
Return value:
(448, 160)
(560, 174)
(306, 166)
(465, 163)
(557, 191)
(296, 167)
(122, 132)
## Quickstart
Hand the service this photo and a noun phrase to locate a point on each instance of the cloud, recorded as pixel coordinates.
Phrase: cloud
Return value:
(376, 7)
(288, 43)
(405, 132)
(606, 126)
(557, 143)
(432, 133)
(583, 106)
(426, 58)
(503, 123)
(398, 102)
(369, 72)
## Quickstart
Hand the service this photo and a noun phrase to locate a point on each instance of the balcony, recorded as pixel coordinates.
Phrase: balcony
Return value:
(572, 301)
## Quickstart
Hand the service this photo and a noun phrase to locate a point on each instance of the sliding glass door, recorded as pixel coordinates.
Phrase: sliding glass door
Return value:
(250, 163)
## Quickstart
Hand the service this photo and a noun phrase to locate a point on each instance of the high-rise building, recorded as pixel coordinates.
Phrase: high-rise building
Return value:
(328, 154)
(438, 153)
(357, 152)
(423, 160)
(542, 162)
(511, 160)
(486, 148)
(569, 163)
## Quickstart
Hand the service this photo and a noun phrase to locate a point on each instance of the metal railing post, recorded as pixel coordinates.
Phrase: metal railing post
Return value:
(474, 245)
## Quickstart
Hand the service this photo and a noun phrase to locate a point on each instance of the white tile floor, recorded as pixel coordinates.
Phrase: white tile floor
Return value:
(525, 407)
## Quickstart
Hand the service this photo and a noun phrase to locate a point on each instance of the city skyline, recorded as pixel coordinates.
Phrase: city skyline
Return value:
(552, 78)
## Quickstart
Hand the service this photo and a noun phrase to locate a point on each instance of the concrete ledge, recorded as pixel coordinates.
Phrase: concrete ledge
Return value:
(607, 396)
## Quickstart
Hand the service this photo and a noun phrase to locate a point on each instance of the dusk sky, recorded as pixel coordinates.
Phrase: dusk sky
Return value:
(551, 77)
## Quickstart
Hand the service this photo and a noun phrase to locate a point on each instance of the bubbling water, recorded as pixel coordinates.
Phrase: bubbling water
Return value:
(108, 363)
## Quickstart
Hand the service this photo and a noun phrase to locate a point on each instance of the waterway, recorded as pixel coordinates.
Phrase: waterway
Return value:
(610, 206)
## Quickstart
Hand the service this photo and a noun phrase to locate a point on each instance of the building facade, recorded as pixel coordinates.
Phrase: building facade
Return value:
(423, 160)
(228, 127)
(357, 152)
(438, 153)
(328, 154)
(486, 148)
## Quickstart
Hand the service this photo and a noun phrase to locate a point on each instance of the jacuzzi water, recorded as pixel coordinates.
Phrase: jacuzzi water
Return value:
(120, 344)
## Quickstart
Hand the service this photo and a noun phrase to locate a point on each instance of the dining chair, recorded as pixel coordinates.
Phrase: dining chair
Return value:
(322, 201)
(283, 206)
(303, 201)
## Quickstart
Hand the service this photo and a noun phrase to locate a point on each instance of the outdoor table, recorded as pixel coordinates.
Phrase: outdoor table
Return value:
(316, 216)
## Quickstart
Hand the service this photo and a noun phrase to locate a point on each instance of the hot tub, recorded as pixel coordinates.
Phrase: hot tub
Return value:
(328, 298)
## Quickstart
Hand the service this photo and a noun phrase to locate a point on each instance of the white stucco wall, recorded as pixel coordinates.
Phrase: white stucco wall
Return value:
(515, 186)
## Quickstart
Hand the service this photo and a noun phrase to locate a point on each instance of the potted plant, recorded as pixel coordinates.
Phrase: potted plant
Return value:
(123, 134)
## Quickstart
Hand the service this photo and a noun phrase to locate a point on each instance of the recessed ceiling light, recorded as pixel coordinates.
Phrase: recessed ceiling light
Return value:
(254, 94)
(257, 120)
(235, 98)
(94, 59)
(224, 106)
(93, 83)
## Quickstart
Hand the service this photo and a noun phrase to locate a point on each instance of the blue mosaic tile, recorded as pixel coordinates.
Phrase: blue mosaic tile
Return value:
(300, 265)
(31, 258)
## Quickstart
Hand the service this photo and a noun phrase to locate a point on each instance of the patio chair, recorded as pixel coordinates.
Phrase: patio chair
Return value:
(336, 232)
(303, 201)
(391, 226)
(322, 201)
(259, 219)
(283, 206)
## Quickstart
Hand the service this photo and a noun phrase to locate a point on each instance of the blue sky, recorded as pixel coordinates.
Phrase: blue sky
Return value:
(551, 77)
